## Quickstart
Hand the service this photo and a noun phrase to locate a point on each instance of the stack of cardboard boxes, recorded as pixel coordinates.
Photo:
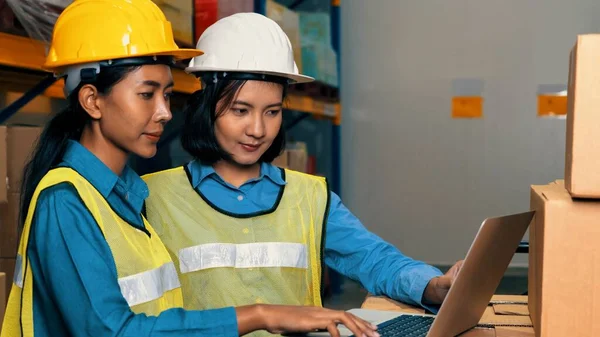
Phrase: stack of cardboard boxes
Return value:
(310, 36)
(564, 258)
(16, 144)
(296, 158)
(289, 21)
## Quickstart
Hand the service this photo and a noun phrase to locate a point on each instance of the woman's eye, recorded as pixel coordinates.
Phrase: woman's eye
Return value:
(168, 95)
(239, 111)
(273, 112)
(147, 95)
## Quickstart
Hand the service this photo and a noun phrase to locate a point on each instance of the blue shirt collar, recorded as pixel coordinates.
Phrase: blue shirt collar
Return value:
(199, 172)
(273, 173)
(103, 178)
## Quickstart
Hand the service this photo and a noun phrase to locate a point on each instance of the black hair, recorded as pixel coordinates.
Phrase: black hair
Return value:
(202, 110)
(65, 125)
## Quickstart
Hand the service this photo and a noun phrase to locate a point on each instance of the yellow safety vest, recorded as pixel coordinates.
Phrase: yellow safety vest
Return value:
(146, 274)
(225, 259)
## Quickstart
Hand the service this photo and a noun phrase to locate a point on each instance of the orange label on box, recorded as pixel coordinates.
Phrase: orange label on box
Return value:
(552, 105)
(467, 107)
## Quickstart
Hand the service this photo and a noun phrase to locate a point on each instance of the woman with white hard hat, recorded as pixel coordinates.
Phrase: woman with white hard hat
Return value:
(241, 230)
(89, 264)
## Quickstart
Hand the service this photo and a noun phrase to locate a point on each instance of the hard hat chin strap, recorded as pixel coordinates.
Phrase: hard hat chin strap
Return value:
(87, 73)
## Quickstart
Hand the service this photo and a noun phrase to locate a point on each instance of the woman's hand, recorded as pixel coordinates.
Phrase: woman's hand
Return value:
(438, 287)
(280, 319)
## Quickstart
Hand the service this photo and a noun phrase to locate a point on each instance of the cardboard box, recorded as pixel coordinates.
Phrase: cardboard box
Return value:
(9, 223)
(297, 160)
(3, 297)
(319, 61)
(282, 160)
(21, 142)
(7, 266)
(564, 263)
(181, 15)
(16, 146)
(315, 27)
(582, 162)
(289, 21)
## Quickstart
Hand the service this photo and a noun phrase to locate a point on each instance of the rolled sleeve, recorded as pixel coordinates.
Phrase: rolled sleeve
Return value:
(381, 268)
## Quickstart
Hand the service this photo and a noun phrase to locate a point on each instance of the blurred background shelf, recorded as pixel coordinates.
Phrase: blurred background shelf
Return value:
(22, 58)
(21, 61)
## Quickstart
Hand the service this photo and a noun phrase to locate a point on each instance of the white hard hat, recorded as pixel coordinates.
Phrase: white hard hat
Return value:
(247, 43)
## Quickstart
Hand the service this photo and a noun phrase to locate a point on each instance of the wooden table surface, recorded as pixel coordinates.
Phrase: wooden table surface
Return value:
(506, 312)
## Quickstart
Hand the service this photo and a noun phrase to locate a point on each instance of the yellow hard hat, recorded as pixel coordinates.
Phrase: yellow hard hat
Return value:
(89, 31)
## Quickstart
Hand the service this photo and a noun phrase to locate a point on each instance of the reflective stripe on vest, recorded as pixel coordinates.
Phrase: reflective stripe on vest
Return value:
(228, 260)
(247, 255)
(136, 289)
(18, 277)
(149, 285)
(146, 274)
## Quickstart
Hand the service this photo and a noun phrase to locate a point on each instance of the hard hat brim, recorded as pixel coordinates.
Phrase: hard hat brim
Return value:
(178, 54)
(296, 78)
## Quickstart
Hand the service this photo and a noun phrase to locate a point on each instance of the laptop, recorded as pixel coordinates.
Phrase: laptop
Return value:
(483, 268)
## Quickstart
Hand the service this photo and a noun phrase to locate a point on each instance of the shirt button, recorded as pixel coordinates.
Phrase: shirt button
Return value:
(240, 197)
(127, 196)
(246, 230)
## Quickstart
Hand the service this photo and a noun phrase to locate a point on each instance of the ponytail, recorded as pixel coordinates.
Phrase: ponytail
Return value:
(67, 124)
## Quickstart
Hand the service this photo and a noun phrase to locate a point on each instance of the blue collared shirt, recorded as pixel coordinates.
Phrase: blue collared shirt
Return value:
(350, 248)
(75, 278)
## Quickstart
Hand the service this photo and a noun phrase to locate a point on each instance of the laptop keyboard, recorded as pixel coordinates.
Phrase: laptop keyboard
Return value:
(405, 326)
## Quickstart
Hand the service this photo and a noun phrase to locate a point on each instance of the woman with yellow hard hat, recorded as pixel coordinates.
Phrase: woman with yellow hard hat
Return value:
(88, 263)
(241, 230)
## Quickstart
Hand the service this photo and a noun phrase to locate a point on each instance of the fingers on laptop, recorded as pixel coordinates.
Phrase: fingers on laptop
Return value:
(359, 327)
(456, 268)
